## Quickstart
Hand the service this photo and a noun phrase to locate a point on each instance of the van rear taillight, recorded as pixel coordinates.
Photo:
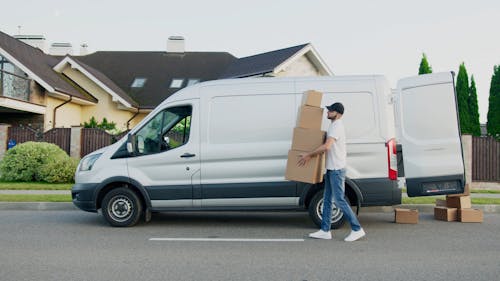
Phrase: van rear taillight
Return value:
(392, 160)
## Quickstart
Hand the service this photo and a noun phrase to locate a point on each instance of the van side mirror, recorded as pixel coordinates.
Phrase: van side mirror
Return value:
(131, 144)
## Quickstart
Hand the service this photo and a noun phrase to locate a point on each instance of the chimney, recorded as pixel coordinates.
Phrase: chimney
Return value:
(61, 49)
(36, 41)
(175, 44)
(84, 49)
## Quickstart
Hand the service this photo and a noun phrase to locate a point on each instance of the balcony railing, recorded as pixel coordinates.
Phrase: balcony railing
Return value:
(14, 86)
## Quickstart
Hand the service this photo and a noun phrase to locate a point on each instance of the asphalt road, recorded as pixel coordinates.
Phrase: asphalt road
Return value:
(74, 245)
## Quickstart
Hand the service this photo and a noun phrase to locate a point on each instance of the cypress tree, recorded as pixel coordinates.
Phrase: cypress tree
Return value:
(474, 109)
(424, 66)
(493, 124)
(462, 88)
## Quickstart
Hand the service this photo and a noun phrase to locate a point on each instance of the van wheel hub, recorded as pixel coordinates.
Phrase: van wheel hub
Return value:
(121, 208)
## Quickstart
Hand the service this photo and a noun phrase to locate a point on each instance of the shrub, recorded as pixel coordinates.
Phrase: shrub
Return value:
(59, 171)
(36, 161)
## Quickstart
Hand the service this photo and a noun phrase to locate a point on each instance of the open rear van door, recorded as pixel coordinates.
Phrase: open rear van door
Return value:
(428, 130)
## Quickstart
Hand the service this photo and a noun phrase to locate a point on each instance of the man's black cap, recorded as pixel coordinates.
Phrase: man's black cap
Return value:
(336, 107)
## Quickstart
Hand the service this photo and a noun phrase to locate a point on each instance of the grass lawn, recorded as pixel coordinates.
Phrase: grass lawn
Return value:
(432, 200)
(34, 186)
(35, 198)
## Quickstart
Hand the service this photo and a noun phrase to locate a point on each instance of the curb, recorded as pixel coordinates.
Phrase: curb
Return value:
(68, 206)
(38, 206)
(426, 208)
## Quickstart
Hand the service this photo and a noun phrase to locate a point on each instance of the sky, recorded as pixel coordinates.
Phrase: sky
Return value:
(353, 37)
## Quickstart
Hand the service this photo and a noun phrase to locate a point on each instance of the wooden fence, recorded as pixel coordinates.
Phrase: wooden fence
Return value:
(94, 139)
(58, 136)
(90, 139)
(485, 159)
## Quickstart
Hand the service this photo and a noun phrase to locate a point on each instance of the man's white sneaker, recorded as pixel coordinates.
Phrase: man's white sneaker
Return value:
(320, 234)
(355, 235)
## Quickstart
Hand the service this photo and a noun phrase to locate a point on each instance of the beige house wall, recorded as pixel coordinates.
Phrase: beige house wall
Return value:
(137, 119)
(66, 116)
(105, 108)
(300, 67)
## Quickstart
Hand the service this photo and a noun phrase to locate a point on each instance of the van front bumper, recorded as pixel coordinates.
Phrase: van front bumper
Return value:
(83, 196)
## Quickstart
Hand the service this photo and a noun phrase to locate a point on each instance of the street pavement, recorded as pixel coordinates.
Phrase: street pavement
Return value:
(75, 245)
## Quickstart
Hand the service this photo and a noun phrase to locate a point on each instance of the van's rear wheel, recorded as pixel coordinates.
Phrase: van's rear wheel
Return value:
(121, 207)
(316, 211)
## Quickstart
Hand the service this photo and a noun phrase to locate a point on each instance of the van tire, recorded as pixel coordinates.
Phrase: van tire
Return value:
(121, 207)
(316, 209)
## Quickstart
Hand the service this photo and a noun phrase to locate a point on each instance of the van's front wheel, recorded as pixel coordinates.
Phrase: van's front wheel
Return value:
(121, 207)
(316, 211)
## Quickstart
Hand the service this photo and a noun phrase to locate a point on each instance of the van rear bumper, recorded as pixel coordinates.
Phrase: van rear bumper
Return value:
(83, 196)
(379, 192)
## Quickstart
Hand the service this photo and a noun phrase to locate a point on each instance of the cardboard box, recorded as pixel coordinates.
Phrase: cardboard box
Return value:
(312, 98)
(310, 117)
(307, 139)
(462, 202)
(441, 202)
(445, 213)
(406, 215)
(470, 215)
(310, 173)
(466, 192)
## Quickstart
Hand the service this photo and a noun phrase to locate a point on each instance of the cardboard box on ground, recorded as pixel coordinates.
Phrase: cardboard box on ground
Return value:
(457, 207)
(406, 215)
(307, 136)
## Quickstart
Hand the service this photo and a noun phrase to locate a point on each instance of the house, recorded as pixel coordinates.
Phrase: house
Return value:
(59, 89)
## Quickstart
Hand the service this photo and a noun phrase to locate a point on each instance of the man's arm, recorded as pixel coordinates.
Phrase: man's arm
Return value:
(305, 157)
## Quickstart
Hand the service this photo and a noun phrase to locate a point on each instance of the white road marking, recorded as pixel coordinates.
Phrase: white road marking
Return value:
(226, 240)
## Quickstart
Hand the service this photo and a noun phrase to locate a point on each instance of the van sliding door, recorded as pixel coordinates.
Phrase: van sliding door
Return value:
(426, 108)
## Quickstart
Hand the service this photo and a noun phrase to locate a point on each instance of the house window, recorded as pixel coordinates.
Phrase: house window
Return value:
(14, 82)
(193, 81)
(176, 83)
(138, 82)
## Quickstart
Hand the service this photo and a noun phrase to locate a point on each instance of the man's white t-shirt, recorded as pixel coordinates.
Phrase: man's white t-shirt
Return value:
(336, 156)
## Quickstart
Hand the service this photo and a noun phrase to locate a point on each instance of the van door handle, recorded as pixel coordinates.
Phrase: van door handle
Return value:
(187, 155)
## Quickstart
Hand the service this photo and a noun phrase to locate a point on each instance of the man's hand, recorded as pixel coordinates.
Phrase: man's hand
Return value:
(303, 159)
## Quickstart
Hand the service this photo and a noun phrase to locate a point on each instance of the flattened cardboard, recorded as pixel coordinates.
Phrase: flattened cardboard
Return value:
(312, 98)
(310, 173)
(470, 215)
(406, 216)
(445, 213)
(307, 139)
(310, 117)
(462, 202)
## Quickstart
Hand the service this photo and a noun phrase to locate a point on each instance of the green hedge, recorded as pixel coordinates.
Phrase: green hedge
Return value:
(39, 162)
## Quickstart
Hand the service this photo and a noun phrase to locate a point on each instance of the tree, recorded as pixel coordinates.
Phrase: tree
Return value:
(493, 123)
(474, 109)
(424, 66)
(462, 88)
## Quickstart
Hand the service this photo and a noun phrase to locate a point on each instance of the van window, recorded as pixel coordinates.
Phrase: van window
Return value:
(251, 118)
(169, 129)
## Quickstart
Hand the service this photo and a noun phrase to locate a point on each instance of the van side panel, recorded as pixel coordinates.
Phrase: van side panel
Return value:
(245, 138)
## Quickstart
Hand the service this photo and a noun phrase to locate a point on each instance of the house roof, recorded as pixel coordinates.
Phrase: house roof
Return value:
(116, 71)
(38, 66)
(99, 78)
(261, 63)
(158, 68)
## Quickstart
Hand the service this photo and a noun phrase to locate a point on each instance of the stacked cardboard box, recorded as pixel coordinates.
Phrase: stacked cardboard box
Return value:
(457, 207)
(307, 136)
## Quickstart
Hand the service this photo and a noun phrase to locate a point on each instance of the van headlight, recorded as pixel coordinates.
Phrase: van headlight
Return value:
(88, 162)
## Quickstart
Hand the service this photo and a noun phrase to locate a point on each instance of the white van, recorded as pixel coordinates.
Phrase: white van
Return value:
(222, 145)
